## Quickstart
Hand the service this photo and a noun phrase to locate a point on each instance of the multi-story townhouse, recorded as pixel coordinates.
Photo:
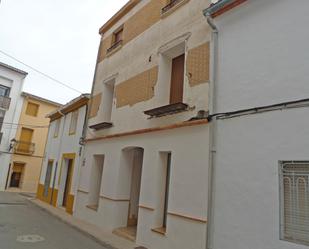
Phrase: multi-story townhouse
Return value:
(11, 83)
(29, 143)
(63, 153)
(146, 156)
(261, 178)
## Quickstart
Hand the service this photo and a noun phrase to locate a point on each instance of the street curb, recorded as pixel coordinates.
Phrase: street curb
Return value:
(95, 238)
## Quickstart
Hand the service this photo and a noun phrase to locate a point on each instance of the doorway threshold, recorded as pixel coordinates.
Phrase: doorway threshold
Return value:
(128, 233)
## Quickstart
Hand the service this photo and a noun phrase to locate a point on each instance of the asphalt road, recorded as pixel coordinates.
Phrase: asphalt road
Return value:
(25, 226)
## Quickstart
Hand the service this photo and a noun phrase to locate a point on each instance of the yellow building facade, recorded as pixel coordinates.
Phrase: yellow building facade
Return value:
(29, 144)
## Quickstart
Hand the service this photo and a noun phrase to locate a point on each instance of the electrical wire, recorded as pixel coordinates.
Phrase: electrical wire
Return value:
(39, 72)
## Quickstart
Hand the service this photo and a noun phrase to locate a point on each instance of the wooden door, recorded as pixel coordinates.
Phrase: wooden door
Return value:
(177, 79)
(68, 181)
(25, 140)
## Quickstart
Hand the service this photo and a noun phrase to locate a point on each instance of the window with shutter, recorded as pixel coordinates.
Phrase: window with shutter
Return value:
(294, 190)
(73, 124)
(32, 109)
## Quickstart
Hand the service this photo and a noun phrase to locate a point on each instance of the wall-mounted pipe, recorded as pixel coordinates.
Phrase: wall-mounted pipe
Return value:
(212, 132)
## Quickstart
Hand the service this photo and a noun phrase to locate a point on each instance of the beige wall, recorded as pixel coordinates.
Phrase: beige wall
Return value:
(139, 67)
(32, 163)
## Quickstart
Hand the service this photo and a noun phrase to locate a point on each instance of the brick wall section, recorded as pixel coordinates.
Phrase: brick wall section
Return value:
(143, 19)
(137, 89)
(198, 64)
(137, 24)
(105, 44)
(95, 105)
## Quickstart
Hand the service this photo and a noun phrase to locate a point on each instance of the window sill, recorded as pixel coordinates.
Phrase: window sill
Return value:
(101, 126)
(114, 48)
(167, 110)
(159, 230)
(170, 8)
(93, 207)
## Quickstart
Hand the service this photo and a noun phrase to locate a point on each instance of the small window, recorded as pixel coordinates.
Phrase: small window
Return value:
(73, 124)
(57, 128)
(4, 91)
(294, 191)
(118, 36)
(32, 109)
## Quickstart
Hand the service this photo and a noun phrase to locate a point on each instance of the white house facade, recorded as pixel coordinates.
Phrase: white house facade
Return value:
(260, 190)
(63, 155)
(146, 154)
(11, 84)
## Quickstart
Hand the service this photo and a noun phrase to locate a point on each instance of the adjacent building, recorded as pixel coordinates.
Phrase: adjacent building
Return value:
(11, 102)
(146, 157)
(261, 177)
(63, 154)
(28, 146)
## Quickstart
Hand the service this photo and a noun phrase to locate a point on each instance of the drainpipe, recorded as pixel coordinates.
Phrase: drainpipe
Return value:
(212, 132)
(57, 163)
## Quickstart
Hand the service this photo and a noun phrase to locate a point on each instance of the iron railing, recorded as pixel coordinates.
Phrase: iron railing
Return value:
(5, 102)
(23, 147)
(170, 6)
(114, 46)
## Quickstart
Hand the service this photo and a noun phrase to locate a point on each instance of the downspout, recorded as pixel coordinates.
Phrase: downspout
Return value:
(212, 132)
(57, 163)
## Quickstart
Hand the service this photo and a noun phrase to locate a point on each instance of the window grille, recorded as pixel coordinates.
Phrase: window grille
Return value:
(294, 180)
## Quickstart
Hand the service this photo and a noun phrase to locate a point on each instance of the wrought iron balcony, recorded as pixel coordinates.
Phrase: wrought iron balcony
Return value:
(22, 147)
(5, 102)
(169, 6)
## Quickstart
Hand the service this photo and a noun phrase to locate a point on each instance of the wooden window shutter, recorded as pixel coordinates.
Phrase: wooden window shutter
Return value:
(177, 79)
(73, 124)
(32, 109)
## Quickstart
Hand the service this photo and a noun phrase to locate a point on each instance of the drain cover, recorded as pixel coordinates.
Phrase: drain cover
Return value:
(30, 238)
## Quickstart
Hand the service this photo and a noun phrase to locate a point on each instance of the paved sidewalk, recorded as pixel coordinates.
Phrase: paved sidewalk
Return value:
(105, 238)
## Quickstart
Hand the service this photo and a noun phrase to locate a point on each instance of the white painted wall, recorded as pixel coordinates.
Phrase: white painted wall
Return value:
(262, 54)
(262, 61)
(15, 81)
(188, 189)
(64, 144)
(247, 177)
(187, 19)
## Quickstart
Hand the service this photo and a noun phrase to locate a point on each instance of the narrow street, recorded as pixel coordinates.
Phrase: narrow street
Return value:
(24, 225)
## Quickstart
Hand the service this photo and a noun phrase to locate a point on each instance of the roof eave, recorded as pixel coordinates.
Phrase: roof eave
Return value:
(121, 13)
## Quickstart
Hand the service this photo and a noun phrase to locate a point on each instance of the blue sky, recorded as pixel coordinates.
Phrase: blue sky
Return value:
(57, 37)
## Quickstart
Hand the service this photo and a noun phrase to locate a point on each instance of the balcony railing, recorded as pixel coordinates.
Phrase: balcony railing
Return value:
(114, 46)
(170, 5)
(22, 147)
(5, 102)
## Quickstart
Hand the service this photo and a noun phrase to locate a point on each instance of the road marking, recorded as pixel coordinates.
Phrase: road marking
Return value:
(30, 238)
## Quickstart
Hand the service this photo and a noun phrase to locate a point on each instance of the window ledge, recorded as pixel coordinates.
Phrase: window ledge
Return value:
(101, 126)
(159, 230)
(92, 207)
(114, 48)
(173, 6)
(167, 110)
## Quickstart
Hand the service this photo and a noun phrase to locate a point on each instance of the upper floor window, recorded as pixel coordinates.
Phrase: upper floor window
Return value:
(57, 127)
(4, 91)
(117, 40)
(118, 35)
(73, 123)
(32, 109)
(177, 79)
